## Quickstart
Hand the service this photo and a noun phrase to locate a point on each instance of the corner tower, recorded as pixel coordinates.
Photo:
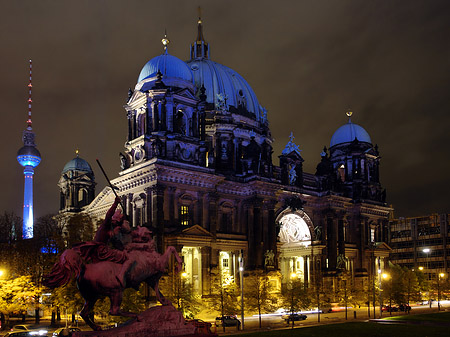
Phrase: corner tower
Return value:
(352, 166)
(29, 157)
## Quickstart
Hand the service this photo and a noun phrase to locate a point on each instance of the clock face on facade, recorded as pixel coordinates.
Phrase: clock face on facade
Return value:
(294, 230)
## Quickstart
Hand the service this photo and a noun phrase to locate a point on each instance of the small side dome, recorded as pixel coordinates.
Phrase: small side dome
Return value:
(347, 133)
(169, 66)
(77, 164)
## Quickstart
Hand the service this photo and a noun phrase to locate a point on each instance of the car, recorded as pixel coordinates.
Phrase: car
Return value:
(201, 327)
(28, 330)
(62, 332)
(228, 320)
(295, 317)
(22, 327)
(17, 334)
(388, 308)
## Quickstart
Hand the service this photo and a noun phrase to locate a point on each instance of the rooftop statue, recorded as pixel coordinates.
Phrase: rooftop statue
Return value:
(104, 271)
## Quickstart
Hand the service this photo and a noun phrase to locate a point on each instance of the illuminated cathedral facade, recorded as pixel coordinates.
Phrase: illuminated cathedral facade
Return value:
(198, 170)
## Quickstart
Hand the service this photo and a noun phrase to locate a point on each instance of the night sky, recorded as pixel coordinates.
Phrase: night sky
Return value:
(307, 61)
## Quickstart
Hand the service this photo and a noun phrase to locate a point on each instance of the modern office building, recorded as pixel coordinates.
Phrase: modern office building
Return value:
(421, 242)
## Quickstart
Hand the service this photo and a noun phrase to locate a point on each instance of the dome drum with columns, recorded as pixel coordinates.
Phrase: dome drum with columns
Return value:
(197, 170)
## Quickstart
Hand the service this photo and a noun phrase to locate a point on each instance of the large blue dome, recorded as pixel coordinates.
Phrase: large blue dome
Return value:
(77, 164)
(221, 83)
(348, 133)
(168, 65)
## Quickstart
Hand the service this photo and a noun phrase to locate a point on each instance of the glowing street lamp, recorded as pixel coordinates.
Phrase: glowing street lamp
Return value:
(441, 275)
(382, 276)
(427, 251)
(241, 278)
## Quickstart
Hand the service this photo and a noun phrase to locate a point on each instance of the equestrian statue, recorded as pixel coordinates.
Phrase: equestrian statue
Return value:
(119, 257)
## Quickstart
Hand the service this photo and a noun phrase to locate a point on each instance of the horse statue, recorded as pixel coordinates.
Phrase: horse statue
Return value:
(101, 278)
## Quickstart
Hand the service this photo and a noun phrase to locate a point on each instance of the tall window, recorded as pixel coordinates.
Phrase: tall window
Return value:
(184, 215)
(225, 263)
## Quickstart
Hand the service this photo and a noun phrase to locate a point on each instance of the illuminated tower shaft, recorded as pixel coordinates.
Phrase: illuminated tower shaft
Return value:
(29, 157)
(28, 203)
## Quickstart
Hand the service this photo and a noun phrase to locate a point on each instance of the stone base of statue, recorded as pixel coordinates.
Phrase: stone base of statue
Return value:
(160, 321)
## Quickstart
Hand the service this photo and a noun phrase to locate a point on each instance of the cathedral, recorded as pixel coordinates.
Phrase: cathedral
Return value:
(197, 168)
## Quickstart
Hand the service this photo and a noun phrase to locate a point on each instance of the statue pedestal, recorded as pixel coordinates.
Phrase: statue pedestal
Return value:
(160, 321)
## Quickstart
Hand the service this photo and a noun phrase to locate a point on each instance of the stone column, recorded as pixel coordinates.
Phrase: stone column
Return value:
(198, 209)
(158, 214)
(172, 204)
(148, 116)
(205, 270)
(331, 242)
(148, 206)
(129, 207)
(169, 113)
(212, 211)
(306, 270)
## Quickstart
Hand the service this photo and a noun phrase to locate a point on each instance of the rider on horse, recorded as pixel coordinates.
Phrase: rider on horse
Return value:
(115, 230)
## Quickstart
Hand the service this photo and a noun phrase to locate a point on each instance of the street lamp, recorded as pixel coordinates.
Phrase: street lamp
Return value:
(427, 251)
(441, 275)
(293, 277)
(241, 277)
(381, 276)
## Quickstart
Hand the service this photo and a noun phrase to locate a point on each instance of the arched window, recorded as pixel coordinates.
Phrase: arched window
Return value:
(82, 196)
(341, 172)
(180, 122)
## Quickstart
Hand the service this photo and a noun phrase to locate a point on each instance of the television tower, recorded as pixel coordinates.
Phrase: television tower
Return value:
(29, 157)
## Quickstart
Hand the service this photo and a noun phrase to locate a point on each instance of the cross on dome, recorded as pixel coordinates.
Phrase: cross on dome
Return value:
(165, 41)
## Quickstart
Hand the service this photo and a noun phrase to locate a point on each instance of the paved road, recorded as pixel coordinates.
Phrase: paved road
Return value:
(276, 322)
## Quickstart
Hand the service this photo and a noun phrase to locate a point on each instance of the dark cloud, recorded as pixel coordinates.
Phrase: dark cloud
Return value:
(308, 61)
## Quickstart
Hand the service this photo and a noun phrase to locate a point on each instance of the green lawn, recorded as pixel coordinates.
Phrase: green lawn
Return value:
(436, 317)
(358, 329)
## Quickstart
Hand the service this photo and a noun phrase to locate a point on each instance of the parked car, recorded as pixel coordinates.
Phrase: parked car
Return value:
(227, 321)
(295, 317)
(62, 332)
(201, 327)
(28, 330)
(388, 308)
(22, 327)
(17, 334)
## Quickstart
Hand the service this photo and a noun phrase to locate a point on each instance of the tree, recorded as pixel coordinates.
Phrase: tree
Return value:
(181, 293)
(294, 296)
(66, 299)
(259, 295)
(224, 293)
(10, 227)
(17, 295)
(79, 228)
